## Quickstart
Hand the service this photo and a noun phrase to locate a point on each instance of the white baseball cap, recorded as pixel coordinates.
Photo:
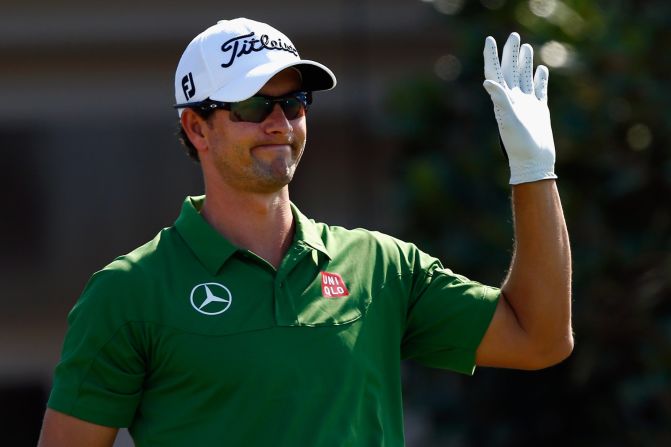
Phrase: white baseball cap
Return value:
(232, 60)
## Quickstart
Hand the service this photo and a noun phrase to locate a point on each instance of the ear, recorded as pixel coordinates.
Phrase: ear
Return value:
(195, 128)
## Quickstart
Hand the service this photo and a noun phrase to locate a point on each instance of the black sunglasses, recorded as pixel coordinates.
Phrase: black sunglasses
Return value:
(258, 107)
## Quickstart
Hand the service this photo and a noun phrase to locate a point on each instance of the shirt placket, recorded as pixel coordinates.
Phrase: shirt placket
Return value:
(286, 313)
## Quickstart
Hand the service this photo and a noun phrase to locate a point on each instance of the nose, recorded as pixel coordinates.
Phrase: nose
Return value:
(277, 122)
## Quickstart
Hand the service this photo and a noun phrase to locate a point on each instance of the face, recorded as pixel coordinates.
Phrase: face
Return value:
(257, 157)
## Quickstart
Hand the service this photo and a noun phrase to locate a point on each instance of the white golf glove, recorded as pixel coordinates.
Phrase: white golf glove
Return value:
(520, 106)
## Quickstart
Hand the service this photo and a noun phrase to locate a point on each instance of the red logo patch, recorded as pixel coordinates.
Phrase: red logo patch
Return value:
(333, 286)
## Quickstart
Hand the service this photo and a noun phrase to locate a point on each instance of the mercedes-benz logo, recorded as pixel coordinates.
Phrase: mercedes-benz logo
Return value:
(211, 298)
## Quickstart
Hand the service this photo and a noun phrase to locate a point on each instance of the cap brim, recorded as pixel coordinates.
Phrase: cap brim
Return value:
(315, 77)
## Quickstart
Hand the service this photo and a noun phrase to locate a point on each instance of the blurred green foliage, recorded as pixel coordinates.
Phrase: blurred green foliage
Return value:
(609, 99)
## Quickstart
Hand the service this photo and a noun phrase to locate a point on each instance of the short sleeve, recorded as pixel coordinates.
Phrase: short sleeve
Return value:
(447, 318)
(100, 375)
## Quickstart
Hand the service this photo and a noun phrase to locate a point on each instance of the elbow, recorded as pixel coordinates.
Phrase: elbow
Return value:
(552, 353)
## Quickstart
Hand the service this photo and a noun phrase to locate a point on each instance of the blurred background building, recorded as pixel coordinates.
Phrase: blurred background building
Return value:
(406, 144)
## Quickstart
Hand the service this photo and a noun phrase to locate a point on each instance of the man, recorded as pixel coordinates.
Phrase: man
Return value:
(248, 324)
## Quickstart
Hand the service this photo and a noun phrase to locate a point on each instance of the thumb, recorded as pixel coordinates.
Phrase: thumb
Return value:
(497, 93)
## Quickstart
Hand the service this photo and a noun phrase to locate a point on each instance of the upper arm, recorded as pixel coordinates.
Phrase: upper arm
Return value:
(60, 429)
(503, 344)
(507, 345)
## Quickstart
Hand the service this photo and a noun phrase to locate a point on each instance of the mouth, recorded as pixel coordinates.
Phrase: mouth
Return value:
(273, 151)
(274, 147)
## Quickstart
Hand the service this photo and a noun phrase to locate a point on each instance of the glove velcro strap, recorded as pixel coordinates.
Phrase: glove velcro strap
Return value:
(531, 174)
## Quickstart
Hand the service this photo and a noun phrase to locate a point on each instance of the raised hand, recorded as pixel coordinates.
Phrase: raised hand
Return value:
(521, 110)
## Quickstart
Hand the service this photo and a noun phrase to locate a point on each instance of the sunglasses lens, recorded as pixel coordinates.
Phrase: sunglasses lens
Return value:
(292, 108)
(252, 110)
(257, 108)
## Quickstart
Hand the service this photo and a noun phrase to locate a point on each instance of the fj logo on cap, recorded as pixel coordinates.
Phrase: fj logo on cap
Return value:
(188, 86)
(333, 286)
(247, 44)
(211, 298)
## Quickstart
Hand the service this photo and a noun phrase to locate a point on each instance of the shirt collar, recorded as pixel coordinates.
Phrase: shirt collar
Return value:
(307, 232)
(213, 250)
(210, 247)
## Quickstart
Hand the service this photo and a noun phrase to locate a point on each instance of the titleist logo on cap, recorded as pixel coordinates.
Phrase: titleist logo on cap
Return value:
(238, 46)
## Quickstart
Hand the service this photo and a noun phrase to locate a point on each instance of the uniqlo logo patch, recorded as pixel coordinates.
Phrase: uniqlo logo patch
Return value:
(333, 286)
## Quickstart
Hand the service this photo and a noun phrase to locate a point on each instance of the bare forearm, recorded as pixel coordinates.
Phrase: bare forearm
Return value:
(538, 286)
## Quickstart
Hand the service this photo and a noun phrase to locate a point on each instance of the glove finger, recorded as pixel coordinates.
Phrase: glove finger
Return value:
(492, 65)
(509, 60)
(526, 68)
(541, 83)
(497, 93)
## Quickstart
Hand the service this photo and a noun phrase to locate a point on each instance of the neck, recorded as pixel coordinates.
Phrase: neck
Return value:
(260, 223)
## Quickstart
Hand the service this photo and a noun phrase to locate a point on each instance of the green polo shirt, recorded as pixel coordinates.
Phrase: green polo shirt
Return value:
(189, 340)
